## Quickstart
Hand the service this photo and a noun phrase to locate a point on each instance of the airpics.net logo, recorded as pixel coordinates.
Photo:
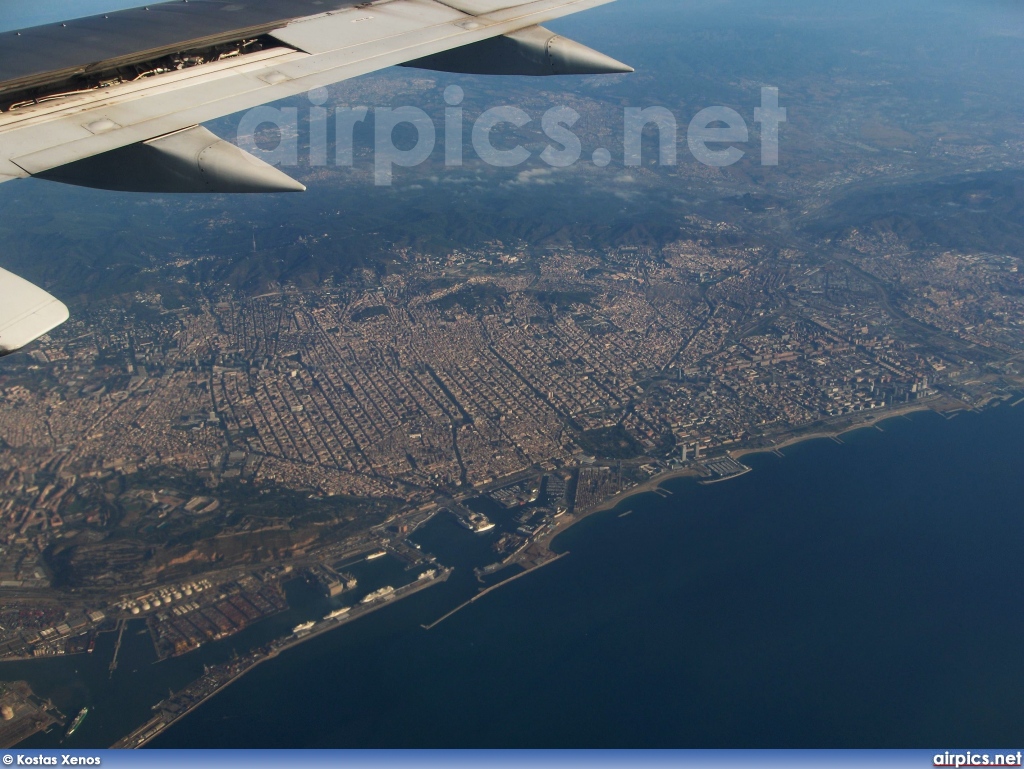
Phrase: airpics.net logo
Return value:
(952, 759)
(715, 136)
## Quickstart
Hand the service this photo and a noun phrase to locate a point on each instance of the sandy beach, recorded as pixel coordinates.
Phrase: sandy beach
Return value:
(859, 422)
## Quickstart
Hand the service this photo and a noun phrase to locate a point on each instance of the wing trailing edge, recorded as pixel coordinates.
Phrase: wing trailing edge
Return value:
(79, 128)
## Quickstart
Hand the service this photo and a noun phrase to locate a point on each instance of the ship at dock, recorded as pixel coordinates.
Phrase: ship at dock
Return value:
(77, 722)
(338, 613)
(475, 522)
(303, 627)
(379, 595)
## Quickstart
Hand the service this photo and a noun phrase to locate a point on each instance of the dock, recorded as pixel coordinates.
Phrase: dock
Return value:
(121, 625)
(216, 679)
(30, 713)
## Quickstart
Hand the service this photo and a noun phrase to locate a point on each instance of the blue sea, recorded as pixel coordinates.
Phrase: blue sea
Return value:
(867, 593)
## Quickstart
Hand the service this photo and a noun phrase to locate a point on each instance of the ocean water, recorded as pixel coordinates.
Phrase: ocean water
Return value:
(863, 594)
(867, 593)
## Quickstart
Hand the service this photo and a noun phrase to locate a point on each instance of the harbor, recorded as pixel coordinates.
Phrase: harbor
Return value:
(521, 526)
(696, 579)
(217, 678)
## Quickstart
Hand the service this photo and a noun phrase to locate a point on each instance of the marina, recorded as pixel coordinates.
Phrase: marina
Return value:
(724, 469)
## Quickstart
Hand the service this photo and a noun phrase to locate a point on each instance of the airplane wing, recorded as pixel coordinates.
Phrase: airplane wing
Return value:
(26, 312)
(116, 101)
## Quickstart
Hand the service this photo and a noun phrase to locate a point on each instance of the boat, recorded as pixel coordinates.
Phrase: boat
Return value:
(476, 522)
(77, 722)
(338, 612)
(304, 626)
(375, 556)
(385, 592)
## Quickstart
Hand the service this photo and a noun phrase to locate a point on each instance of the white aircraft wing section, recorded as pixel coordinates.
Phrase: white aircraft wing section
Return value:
(316, 51)
(116, 101)
(26, 312)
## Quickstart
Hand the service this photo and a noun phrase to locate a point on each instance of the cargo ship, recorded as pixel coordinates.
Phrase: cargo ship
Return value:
(338, 612)
(303, 627)
(77, 722)
(385, 592)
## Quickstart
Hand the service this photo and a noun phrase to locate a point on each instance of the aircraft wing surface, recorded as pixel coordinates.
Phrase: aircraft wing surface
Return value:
(26, 312)
(84, 88)
(116, 101)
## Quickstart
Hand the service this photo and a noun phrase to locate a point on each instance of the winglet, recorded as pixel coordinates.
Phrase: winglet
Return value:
(26, 312)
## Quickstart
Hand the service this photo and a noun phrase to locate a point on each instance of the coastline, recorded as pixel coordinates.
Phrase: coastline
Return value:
(666, 574)
(655, 482)
(540, 553)
(832, 434)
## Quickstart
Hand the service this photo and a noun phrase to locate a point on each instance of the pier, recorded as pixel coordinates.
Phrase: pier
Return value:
(485, 591)
(121, 625)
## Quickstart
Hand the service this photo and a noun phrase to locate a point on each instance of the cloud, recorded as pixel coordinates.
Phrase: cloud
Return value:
(534, 176)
